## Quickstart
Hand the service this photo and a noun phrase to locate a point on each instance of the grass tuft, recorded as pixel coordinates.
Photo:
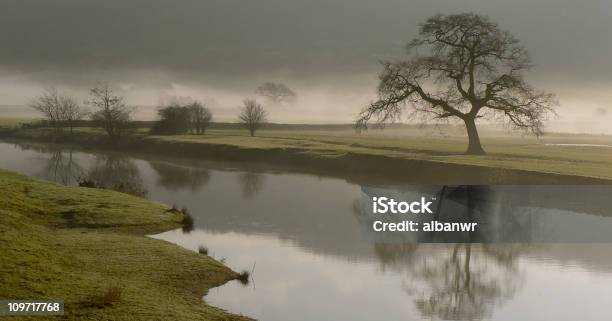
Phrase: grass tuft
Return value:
(203, 250)
(243, 277)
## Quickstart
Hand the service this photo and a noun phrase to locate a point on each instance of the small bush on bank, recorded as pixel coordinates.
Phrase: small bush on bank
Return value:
(203, 250)
(243, 277)
(187, 221)
(181, 118)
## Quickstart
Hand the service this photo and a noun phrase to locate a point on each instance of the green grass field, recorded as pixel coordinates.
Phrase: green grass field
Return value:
(87, 247)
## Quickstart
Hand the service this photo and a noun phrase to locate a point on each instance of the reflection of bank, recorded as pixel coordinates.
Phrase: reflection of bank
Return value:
(176, 177)
(502, 213)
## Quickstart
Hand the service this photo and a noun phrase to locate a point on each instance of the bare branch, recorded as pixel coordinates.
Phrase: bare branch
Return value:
(252, 115)
(475, 69)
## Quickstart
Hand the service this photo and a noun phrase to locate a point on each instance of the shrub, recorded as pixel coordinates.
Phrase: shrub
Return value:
(187, 221)
(244, 277)
(203, 250)
(174, 119)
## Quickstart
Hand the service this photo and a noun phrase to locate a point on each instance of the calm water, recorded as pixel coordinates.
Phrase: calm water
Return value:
(302, 237)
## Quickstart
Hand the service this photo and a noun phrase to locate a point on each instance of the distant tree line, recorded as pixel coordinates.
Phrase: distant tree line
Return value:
(176, 119)
(62, 110)
(194, 118)
(108, 110)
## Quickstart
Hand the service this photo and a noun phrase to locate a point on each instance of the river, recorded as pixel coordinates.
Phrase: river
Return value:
(302, 238)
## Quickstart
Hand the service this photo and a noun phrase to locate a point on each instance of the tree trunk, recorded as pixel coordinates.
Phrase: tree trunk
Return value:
(474, 146)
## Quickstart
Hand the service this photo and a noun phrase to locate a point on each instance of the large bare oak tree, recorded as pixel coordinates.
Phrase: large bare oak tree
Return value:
(461, 67)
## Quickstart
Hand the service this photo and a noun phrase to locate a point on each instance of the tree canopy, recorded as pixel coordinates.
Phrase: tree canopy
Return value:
(276, 93)
(464, 67)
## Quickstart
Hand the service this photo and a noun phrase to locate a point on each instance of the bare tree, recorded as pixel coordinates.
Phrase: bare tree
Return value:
(48, 104)
(471, 69)
(252, 115)
(200, 117)
(276, 93)
(111, 111)
(72, 111)
(58, 109)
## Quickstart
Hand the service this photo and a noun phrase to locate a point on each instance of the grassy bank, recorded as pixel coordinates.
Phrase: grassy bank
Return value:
(88, 247)
(549, 155)
(397, 154)
(13, 122)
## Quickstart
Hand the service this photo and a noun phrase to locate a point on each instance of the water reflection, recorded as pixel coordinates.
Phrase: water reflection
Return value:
(61, 166)
(116, 172)
(314, 259)
(175, 177)
(58, 162)
(463, 287)
(455, 281)
(252, 183)
(500, 214)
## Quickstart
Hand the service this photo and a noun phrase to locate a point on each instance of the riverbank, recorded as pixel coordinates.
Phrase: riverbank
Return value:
(89, 248)
(390, 158)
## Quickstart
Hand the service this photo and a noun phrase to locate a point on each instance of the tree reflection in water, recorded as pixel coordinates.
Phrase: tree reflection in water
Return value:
(252, 183)
(455, 281)
(175, 177)
(112, 171)
(61, 166)
(459, 281)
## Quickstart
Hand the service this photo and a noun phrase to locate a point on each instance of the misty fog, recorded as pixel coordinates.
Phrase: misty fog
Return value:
(326, 51)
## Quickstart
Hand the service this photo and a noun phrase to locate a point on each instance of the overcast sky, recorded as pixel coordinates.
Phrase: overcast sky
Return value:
(326, 50)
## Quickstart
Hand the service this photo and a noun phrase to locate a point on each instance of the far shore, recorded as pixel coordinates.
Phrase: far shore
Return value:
(390, 156)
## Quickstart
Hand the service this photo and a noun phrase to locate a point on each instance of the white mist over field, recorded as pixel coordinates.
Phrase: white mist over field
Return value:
(316, 104)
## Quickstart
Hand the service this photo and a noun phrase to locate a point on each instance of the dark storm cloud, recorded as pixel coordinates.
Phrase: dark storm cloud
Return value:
(183, 36)
(203, 38)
